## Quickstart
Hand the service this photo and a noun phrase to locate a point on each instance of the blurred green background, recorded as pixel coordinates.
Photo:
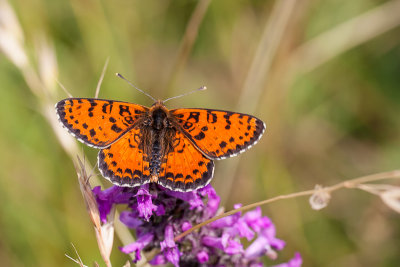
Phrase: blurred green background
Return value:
(323, 75)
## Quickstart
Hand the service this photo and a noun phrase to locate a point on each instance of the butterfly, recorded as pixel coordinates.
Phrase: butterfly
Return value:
(174, 148)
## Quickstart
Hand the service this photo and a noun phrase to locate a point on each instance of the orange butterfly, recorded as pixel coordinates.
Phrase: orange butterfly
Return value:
(174, 148)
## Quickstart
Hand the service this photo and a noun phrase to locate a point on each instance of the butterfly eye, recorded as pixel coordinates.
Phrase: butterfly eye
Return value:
(129, 119)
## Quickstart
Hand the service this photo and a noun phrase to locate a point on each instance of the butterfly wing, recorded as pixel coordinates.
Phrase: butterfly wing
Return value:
(124, 163)
(185, 168)
(98, 123)
(219, 134)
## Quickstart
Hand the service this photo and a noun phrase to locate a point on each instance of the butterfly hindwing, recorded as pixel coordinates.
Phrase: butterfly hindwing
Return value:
(219, 134)
(124, 162)
(98, 123)
(185, 168)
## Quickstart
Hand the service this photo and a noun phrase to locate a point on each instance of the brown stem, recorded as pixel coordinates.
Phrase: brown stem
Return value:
(346, 184)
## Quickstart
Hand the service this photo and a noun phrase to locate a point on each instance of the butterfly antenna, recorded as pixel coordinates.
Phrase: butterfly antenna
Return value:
(123, 78)
(188, 93)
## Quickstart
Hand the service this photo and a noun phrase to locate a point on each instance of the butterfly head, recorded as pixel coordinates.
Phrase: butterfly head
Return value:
(158, 103)
(158, 116)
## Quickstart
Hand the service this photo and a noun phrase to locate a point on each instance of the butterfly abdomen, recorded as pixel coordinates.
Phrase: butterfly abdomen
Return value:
(159, 132)
(155, 157)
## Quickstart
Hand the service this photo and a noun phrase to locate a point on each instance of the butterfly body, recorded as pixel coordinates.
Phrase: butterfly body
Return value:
(158, 130)
(174, 148)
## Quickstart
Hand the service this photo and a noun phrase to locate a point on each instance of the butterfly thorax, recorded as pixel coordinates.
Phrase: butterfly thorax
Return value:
(158, 137)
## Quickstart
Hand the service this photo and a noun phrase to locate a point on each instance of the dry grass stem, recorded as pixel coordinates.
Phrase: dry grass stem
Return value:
(392, 199)
(271, 38)
(96, 95)
(188, 40)
(79, 260)
(64, 89)
(42, 86)
(345, 36)
(346, 184)
(47, 63)
(75, 260)
(11, 36)
(105, 232)
(255, 79)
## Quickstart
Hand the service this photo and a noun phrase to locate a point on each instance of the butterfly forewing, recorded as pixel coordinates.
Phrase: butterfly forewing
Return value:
(219, 134)
(96, 122)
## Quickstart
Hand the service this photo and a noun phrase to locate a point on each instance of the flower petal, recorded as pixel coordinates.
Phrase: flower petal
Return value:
(140, 243)
(202, 256)
(192, 197)
(297, 261)
(144, 202)
(129, 219)
(169, 248)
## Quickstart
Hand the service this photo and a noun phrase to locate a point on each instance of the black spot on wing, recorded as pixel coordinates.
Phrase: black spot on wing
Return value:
(116, 129)
(222, 144)
(92, 132)
(122, 177)
(211, 117)
(194, 116)
(107, 107)
(199, 136)
(129, 119)
(187, 125)
(124, 110)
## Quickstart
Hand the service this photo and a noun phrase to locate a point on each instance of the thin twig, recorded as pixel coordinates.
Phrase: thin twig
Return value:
(74, 260)
(188, 40)
(345, 36)
(96, 95)
(254, 84)
(64, 89)
(12, 45)
(346, 184)
(79, 260)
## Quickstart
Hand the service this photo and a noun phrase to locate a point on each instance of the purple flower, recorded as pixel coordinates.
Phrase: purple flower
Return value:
(202, 256)
(169, 248)
(192, 197)
(107, 198)
(186, 226)
(137, 246)
(159, 214)
(128, 218)
(225, 243)
(212, 202)
(297, 261)
(145, 204)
